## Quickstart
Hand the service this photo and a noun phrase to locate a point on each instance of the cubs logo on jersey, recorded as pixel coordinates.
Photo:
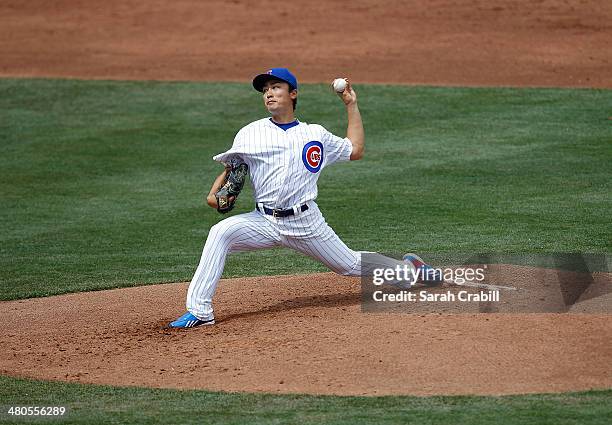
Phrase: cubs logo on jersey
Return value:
(312, 156)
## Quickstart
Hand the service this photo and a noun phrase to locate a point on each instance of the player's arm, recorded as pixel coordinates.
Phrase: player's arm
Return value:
(211, 199)
(354, 131)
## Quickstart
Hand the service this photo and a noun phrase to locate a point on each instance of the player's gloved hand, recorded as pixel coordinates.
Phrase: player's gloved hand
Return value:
(233, 184)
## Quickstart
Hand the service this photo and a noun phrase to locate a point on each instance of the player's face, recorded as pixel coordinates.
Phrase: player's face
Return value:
(277, 97)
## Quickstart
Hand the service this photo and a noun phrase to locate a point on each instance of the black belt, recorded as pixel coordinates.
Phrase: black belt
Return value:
(280, 213)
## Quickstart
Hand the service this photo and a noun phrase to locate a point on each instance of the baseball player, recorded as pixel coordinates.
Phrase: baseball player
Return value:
(285, 158)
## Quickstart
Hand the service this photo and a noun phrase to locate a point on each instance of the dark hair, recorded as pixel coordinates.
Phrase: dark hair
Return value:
(291, 88)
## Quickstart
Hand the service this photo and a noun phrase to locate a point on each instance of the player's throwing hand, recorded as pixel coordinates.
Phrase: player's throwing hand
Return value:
(348, 96)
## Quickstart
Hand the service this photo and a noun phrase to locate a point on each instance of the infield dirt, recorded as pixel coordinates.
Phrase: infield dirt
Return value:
(301, 334)
(438, 42)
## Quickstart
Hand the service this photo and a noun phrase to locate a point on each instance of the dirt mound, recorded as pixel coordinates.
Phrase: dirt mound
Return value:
(441, 42)
(300, 334)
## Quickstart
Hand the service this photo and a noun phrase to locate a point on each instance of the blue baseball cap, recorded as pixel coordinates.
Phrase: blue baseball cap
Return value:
(282, 74)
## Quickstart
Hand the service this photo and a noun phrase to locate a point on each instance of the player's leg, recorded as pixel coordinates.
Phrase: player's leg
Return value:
(241, 232)
(329, 249)
(310, 234)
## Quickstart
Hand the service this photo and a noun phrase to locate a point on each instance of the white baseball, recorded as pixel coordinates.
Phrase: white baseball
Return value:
(339, 84)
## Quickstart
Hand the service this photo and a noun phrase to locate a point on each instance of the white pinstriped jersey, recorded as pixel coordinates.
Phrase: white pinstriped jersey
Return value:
(284, 165)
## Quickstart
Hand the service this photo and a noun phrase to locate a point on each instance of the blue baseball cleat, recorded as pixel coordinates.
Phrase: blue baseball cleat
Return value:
(428, 275)
(188, 320)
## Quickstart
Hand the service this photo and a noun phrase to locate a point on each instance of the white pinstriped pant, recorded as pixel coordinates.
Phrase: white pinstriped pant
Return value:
(306, 232)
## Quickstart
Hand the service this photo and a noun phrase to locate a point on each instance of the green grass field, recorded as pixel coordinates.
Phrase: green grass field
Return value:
(103, 185)
(100, 404)
(103, 182)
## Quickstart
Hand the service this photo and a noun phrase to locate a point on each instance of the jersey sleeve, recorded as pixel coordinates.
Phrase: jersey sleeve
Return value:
(234, 153)
(335, 148)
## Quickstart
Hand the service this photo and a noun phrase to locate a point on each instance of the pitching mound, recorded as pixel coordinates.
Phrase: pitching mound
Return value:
(301, 334)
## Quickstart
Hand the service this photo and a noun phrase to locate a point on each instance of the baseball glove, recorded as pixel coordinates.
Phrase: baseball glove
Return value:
(233, 184)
